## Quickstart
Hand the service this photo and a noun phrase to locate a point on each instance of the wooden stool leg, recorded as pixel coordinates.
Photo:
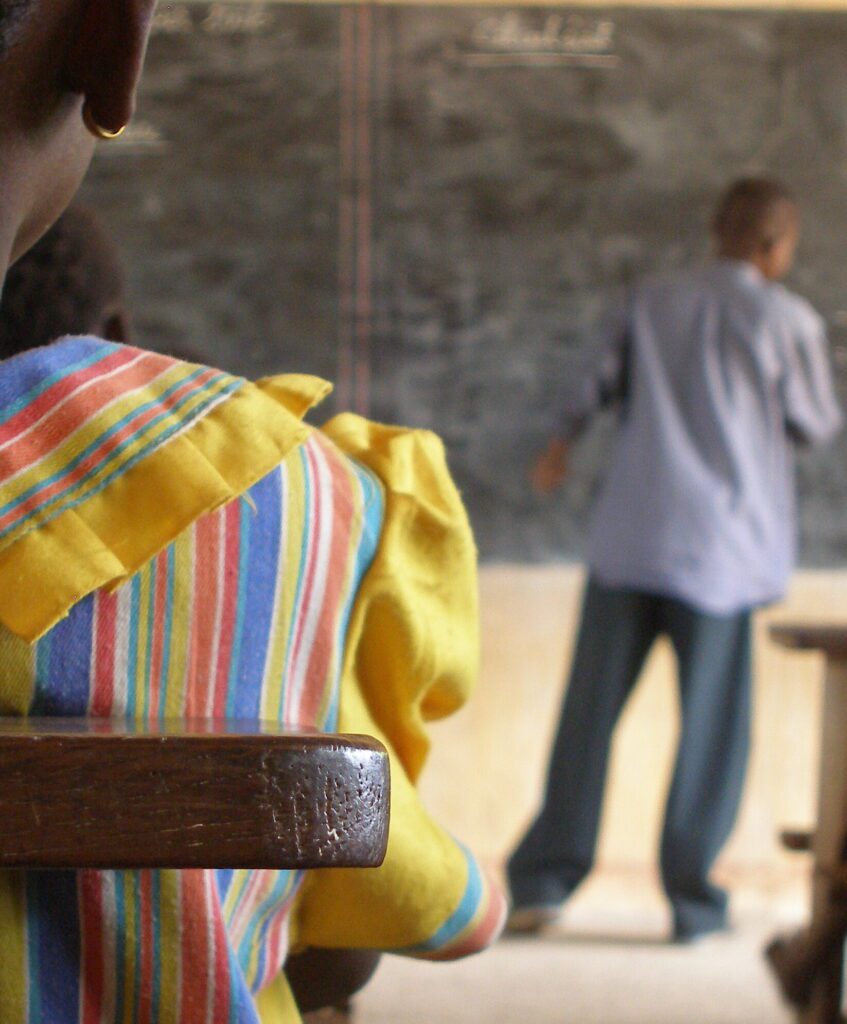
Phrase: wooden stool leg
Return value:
(828, 842)
(825, 1007)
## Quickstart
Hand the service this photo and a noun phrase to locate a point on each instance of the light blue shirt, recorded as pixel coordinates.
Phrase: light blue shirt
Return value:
(720, 372)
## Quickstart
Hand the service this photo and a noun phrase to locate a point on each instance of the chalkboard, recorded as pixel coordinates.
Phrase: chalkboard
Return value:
(433, 205)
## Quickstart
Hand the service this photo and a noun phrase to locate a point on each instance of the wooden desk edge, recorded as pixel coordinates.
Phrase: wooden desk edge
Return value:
(830, 638)
(89, 793)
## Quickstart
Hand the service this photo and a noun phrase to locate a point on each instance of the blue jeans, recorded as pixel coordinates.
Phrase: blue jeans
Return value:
(714, 653)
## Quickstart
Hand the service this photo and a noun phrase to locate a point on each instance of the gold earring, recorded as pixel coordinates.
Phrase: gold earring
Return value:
(98, 131)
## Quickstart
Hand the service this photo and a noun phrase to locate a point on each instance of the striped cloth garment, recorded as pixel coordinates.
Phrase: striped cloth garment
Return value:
(243, 613)
(64, 435)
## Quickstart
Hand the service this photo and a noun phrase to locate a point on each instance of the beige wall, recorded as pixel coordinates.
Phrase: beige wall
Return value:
(487, 762)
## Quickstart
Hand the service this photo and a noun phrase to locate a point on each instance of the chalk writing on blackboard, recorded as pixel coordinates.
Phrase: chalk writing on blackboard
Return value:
(172, 20)
(218, 19)
(518, 38)
(246, 19)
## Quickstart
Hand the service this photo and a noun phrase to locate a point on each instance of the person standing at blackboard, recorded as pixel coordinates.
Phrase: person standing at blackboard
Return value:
(719, 371)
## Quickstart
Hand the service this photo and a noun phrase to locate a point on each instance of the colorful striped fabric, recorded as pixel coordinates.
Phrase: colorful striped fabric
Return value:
(474, 924)
(78, 417)
(243, 616)
(260, 609)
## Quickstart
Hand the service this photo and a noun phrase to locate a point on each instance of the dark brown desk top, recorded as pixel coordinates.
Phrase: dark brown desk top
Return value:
(829, 638)
(94, 793)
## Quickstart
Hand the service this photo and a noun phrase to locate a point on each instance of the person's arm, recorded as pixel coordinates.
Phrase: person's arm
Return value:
(601, 383)
(551, 466)
(812, 413)
(411, 657)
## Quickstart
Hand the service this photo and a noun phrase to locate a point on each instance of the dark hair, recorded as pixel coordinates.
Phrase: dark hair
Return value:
(68, 283)
(753, 215)
(12, 16)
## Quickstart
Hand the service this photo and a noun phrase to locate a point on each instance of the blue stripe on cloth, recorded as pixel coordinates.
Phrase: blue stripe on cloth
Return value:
(461, 916)
(167, 628)
(63, 664)
(371, 530)
(261, 537)
(27, 374)
(58, 945)
(242, 1007)
(234, 683)
(258, 923)
(223, 881)
(266, 920)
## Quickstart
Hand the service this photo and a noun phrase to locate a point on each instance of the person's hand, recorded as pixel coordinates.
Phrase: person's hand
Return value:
(551, 467)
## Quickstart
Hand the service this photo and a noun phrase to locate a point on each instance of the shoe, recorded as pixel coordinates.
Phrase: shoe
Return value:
(531, 920)
(683, 937)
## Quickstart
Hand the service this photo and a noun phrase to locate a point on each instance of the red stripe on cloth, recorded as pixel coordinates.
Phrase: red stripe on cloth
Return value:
(105, 618)
(293, 714)
(100, 455)
(204, 610)
(61, 389)
(229, 597)
(195, 959)
(91, 926)
(277, 943)
(484, 933)
(57, 426)
(221, 967)
(324, 644)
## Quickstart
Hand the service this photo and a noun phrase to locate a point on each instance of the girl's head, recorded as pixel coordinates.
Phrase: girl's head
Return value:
(57, 57)
(70, 282)
(757, 220)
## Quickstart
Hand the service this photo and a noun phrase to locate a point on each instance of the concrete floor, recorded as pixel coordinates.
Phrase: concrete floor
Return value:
(600, 966)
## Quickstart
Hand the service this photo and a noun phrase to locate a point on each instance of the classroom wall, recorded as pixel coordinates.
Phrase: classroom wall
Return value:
(776, 5)
(488, 761)
(432, 206)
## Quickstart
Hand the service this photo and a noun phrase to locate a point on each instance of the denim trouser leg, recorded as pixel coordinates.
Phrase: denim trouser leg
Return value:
(617, 629)
(715, 682)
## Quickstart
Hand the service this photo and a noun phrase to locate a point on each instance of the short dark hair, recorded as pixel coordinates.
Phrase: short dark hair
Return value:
(68, 283)
(12, 16)
(753, 215)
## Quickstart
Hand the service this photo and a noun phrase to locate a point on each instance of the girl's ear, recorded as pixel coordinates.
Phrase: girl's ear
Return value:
(104, 59)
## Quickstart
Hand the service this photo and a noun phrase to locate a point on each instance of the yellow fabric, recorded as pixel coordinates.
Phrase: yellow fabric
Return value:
(411, 656)
(112, 534)
(412, 647)
(276, 1003)
(414, 635)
